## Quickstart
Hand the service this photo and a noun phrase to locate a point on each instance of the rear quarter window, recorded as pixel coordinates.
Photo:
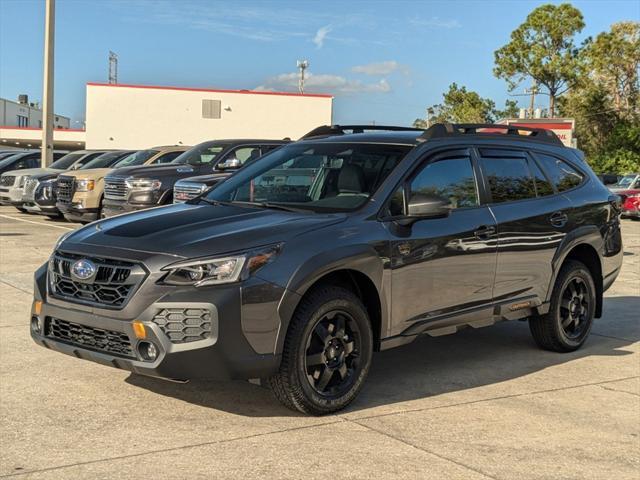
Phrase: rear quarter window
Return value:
(563, 175)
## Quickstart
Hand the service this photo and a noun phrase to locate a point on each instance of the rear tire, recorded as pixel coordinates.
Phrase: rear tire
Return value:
(327, 352)
(573, 302)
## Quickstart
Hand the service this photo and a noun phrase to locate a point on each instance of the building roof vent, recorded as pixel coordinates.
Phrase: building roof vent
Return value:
(23, 99)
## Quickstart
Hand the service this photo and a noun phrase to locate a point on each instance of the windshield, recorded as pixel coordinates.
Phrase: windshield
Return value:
(331, 177)
(9, 160)
(137, 158)
(5, 155)
(201, 154)
(626, 181)
(103, 161)
(66, 161)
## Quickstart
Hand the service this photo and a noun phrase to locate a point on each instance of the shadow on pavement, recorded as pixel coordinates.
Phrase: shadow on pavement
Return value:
(427, 367)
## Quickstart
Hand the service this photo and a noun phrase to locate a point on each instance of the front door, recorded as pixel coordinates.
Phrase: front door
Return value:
(443, 268)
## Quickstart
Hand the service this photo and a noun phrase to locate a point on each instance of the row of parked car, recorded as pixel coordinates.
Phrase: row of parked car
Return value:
(86, 185)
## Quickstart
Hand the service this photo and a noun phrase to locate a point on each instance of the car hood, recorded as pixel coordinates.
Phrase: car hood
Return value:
(91, 173)
(208, 179)
(191, 231)
(31, 171)
(156, 171)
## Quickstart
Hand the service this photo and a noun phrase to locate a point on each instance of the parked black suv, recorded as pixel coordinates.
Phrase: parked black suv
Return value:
(137, 188)
(301, 265)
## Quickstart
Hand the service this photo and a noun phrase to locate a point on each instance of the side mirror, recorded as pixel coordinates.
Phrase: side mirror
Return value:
(422, 206)
(228, 164)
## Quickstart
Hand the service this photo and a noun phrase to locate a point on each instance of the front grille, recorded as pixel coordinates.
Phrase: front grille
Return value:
(64, 189)
(115, 188)
(111, 286)
(30, 186)
(110, 341)
(183, 325)
(186, 191)
(7, 180)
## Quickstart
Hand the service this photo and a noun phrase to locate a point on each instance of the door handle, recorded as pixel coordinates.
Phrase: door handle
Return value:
(559, 219)
(484, 232)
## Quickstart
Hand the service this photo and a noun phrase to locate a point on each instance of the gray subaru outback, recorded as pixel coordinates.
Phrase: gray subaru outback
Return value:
(353, 240)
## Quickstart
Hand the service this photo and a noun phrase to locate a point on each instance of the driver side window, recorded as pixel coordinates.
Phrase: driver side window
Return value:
(452, 179)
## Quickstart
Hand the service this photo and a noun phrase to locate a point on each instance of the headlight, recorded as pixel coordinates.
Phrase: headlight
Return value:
(46, 188)
(85, 185)
(143, 183)
(215, 271)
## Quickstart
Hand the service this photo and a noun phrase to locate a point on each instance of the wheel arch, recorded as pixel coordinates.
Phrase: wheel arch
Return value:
(583, 245)
(360, 272)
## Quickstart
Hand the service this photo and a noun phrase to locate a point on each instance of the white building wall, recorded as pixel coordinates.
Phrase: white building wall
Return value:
(10, 111)
(126, 116)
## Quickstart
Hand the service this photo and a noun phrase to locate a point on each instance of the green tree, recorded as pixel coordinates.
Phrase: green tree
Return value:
(613, 59)
(460, 106)
(542, 48)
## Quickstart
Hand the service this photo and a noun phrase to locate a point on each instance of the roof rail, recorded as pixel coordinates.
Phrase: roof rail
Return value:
(327, 130)
(448, 130)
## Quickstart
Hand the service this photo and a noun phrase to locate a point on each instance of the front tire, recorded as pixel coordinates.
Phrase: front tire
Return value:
(327, 352)
(573, 302)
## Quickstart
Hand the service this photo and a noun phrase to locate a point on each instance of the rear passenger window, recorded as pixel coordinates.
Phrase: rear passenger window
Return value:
(451, 179)
(563, 175)
(509, 179)
(543, 187)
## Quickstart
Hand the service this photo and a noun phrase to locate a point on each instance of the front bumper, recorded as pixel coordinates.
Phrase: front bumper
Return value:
(228, 351)
(77, 213)
(111, 208)
(635, 213)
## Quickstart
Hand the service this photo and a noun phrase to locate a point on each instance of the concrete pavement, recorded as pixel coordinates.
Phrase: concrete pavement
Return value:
(483, 403)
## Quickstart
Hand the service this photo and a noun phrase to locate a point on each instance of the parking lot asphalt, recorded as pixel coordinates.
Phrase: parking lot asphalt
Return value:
(483, 403)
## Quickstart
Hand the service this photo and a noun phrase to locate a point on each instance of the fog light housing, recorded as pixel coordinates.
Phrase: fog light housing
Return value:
(148, 351)
(36, 324)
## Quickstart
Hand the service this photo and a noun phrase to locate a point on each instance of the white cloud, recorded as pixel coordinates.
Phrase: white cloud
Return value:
(381, 68)
(320, 36)
(435, 22)
(334, 84)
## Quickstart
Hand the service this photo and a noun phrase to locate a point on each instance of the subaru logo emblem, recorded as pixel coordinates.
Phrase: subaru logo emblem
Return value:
(83, 269)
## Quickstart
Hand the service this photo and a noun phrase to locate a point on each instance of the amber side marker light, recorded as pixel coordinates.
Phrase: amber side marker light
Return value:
(37, 307)
(139, 330)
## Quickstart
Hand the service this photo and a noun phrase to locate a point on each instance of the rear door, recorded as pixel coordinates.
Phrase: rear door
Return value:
(532, 220)
(443, 268)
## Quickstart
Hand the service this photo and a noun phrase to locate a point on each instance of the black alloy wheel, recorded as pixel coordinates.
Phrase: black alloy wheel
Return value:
(332, 353)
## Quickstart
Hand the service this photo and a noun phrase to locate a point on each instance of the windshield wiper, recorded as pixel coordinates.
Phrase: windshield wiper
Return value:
(274, 206)
(215, 203)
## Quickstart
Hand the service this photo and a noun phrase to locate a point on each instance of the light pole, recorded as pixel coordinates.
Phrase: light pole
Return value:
(47, 96)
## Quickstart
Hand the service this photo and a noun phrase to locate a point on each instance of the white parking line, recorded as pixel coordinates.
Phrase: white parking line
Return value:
(36, 223)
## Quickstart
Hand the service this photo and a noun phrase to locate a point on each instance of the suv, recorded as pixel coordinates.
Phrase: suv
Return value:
(131, 189)
(38, 195)
(12, 182)
(79, 195)
(372, 239)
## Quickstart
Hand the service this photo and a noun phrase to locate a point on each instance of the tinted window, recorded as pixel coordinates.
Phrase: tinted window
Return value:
(564, 176)
(451, 179)
(543, 187)
(103, 161)
(137, 158)
(509, 179)
(201, 154)
(245, 154)
(167, 157)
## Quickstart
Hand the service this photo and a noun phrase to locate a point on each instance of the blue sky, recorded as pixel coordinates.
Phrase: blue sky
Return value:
(384, 61)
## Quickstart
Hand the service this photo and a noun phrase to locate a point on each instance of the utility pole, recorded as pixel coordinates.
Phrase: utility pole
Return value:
(302, 66)
(47, 96)
(533, 91)
(113, 67)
